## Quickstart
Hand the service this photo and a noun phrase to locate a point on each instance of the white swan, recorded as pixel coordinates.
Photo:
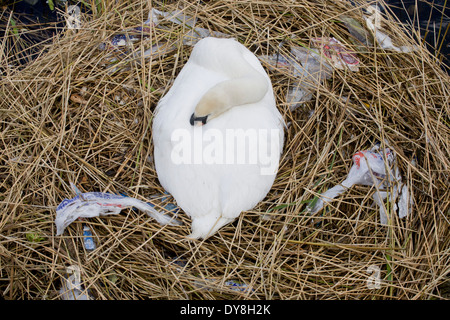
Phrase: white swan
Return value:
(222, 101)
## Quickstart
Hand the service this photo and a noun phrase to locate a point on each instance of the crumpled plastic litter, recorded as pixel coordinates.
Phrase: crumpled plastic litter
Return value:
(133, 35)
(95, 204)
(373, 22)
(357, 30)
(369, 168)
(194, 35)
(156, 17)
(126, 39)
(306, 66)
(340, 57)
(309, 66)
(71, 288)
(123, 42)
(89, 242)
(73, 18)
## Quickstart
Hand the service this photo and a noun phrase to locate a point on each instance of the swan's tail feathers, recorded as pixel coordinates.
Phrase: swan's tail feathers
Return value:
(204, 227)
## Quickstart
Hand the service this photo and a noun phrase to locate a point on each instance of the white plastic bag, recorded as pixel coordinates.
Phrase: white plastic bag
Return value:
(374, 167)
(95, 204)
(373, 22)
(71, 288)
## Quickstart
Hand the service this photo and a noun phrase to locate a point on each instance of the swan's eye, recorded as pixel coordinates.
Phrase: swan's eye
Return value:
(194, 119)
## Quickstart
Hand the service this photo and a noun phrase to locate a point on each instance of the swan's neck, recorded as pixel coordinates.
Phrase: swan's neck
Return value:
(230, 93)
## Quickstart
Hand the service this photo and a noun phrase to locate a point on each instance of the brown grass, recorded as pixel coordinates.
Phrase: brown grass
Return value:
(104, 143)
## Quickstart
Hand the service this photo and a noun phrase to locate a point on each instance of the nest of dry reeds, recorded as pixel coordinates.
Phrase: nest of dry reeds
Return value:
(75, 115)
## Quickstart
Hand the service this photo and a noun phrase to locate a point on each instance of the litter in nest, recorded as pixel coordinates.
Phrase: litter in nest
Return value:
(95, 204)
(375, 167)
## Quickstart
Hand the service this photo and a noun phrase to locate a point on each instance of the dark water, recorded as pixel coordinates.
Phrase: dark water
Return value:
(432, 18)
(31, 26)
(39, 11)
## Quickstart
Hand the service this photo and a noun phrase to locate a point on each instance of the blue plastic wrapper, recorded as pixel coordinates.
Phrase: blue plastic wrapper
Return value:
(89, 243)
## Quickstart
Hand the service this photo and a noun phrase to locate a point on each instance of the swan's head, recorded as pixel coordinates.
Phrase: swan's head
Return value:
(209, 107)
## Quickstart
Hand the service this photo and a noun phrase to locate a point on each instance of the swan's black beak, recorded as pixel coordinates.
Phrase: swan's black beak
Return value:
(194, 119)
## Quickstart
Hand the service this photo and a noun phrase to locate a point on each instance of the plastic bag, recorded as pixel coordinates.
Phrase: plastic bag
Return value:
(374, 23)
(306, 66)
(71, 288)
(95, 204)
(73, 18)
(339, 56)
(194, 35)
(156, 18)
(357, 30)
(369, 168)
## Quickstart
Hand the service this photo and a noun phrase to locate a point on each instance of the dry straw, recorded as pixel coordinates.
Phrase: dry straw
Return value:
(66, 116)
